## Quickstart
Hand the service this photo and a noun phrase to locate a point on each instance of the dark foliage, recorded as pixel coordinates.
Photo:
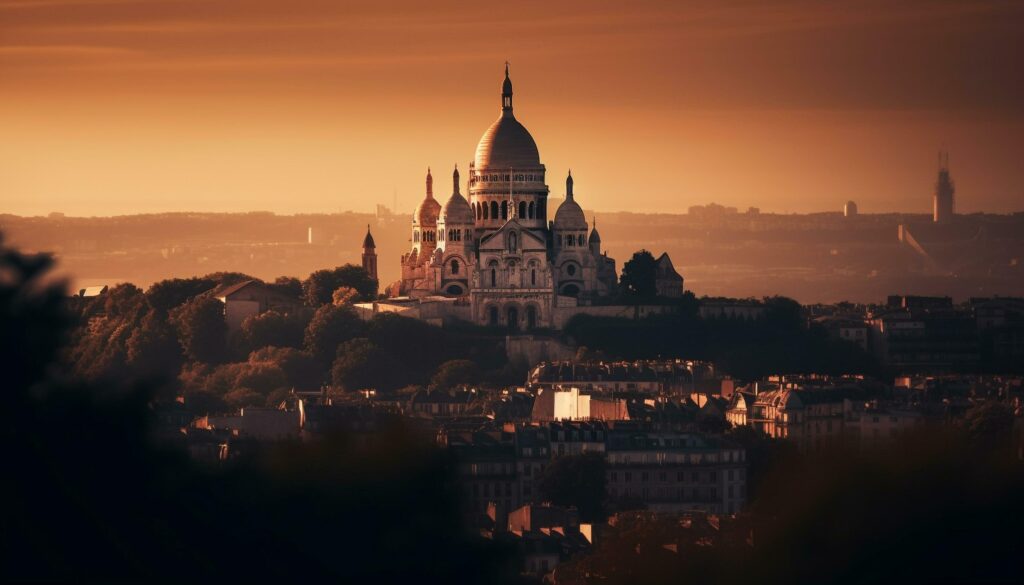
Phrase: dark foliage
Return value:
(202, 329)
(95, 500)
(319, 287)
(639, 275)
(168, 294)
(779, 343)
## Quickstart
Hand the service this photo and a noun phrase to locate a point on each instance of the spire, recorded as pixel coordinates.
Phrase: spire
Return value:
(568, 186)
(455, 180)
(368, 242)
(430, 185)
(506, 93)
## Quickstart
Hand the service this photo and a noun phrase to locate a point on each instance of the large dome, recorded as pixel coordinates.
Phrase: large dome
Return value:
(506, 144)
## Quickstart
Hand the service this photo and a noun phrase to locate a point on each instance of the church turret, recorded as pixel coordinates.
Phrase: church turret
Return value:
(595, 240)
(370, 254)
(455, 228)
(424, 222)
(506, 93)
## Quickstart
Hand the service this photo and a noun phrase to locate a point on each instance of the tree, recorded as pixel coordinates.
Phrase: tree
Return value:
(124, 300)
(577, 480)
(344, 295)
(153, 348)
(202, 329)
(301, 371)
(329, 327)
(168, 294)
(229, 278)
(274, 328)
(639, 275)
(783, 313)
(319, 288)
(361, 364)
(455, 373)
(288, 285)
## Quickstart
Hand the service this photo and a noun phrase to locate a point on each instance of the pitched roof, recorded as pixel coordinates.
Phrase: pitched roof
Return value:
(232, 289)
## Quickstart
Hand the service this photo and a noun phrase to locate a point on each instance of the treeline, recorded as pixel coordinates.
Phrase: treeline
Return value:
(780, 342)
(174, 336)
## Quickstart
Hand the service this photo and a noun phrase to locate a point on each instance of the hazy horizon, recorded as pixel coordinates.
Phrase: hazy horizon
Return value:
(128, 107)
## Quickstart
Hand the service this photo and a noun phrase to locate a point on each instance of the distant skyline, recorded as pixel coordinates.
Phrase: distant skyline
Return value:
(135, 106)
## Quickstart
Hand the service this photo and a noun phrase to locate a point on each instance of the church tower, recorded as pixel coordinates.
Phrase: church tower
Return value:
(944, 206)
(369, 254)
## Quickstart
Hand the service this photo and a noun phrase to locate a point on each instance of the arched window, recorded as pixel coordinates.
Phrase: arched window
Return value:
(522, 209)
(531, 210)
(492, 316)
(494, 277)
(513, 318)
(533, 277)
(494, 210)
(531, 317)
(487, 215)
(512, 237)
(568, 241)
(455, 266)
(504, 210)
(580, 240)
(570, 270)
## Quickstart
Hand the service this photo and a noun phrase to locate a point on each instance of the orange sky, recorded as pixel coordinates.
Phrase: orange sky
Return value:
(127, 106)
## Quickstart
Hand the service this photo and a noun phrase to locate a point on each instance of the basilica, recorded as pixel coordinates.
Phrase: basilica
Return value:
(492, 255)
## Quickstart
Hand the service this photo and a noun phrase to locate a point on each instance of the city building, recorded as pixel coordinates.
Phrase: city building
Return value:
(667, 281)
(676, 472)
(249, 298)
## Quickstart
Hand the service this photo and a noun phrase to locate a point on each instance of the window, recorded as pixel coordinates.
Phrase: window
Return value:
(512, 242)
(487, 214)
(522, 209)
(531, 210)
(533, 277)
(455, 266)
(570, 269)
(494, 277)
(580, 240)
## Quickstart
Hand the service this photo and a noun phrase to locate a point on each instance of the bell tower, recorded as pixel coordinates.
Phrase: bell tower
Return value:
(369, 254)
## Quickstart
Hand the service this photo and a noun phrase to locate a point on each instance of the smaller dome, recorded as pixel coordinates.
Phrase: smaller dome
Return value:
(570, 216)
(457, 211)
(427, 212)
(595, 238)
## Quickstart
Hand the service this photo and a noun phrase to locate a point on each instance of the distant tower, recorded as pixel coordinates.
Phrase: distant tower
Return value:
(850, 209)
(369, 254)
(944, 207)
